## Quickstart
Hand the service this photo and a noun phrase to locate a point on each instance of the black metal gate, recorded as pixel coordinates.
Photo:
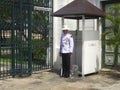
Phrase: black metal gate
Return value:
(15, 41)
(41, 35)
(24, 37)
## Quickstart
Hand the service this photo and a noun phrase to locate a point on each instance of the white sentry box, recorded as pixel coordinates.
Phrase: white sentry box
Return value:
(86, 52)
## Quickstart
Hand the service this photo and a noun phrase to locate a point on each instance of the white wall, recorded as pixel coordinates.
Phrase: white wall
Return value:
(57, 4)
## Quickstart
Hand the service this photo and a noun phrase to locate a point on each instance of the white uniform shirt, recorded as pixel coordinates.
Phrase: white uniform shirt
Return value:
(66, 43)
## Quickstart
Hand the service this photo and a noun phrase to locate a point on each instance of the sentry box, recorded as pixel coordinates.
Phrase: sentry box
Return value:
(87, 49)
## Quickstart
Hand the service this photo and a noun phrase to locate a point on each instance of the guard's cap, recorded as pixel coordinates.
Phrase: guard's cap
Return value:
(65, 27)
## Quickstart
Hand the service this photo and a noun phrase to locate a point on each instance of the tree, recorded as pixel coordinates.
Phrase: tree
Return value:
(114, 20)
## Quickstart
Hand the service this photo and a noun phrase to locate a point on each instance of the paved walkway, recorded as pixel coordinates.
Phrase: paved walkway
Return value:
(106, 79)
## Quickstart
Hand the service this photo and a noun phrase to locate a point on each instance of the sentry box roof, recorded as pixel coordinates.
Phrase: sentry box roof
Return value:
(77, 8)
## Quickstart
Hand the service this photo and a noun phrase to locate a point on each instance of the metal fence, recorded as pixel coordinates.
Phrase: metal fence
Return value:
(41, 35)
(24, 36)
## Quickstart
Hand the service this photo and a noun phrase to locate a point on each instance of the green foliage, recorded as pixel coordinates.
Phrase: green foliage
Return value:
(114, 32)
(5, 11)
(39, 50)
(40, 22)
(114, 18)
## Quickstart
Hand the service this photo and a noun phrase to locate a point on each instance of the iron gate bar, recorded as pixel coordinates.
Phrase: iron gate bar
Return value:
(21, 30)
(12, 41)
(29, 36)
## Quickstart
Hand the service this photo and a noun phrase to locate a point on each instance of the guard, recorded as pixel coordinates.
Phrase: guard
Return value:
(66, 50)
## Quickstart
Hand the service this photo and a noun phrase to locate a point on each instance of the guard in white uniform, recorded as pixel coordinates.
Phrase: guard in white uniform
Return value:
(66, 50)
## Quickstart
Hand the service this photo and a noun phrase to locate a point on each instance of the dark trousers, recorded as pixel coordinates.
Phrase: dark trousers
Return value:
(66, 64)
